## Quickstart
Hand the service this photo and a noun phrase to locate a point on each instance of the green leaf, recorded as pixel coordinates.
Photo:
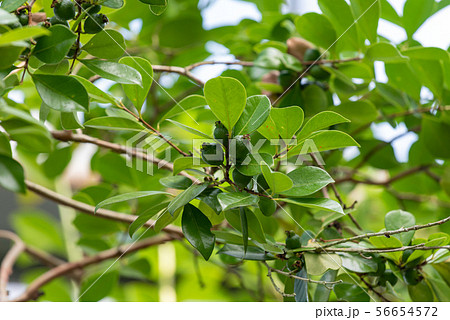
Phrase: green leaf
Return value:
(322, 293)
(356, 263)
(255, 113)
(316, 28)
(398, 219)
(188, 103)
(5, 146)
(136, 93)
(185, 197)
(10, 54)
(227, 98)
(114, 4)
(316, 203)
(57, 162)
(157, 7)
(114, 123)
(23, 34)
(98, 286)
(253, 167)
(320, 121)
(165, 218)
(114, 71)
(197, 230)
(338, 11)
(415, 13)
(360, 112)
(324, 141)
(69, 120)
(11, 5)
(254, 227)
(269, 129)
(421, 292)
(307, 180)
(318, 263)
(433, 127)
(384, 51)
(11, 174)
(54, 47)
(431, 74)
(144, 217)
(426, 53)
(301, 287)
(128, 196)
(184, 163)
(350, 292)
(252, 253)
(62, 93)
(392, 242)
(388, 13)
(369, 13)
(244, 227)
(189, 129)
(176, 182)
(288, 120)
(107, 44)
(277, 181)
(94, 92)
(236, 199)
(32, 138)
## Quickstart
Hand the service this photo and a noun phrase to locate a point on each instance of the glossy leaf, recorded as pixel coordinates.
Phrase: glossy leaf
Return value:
(227, 98)
(287, 120)
(253, 167)
(316, 203)
(114, 71)
(317, 29)
(277, 181)
(307, 180)
(254, 115)
(189, 129)
(185, 197)
(301, 287)
(317, 264)
(184, 163)
(114, 123)
(252, 253)
(321, 121)
(398, 219)
(383, 51)
(369, 13)
(62, 93)
(54, 47)
(197, 230)
(188, 103)
(236, 199)
(128, 196)
(138, 93)
(23, 34)
(107, 44)
(11, 174)
(351, 292)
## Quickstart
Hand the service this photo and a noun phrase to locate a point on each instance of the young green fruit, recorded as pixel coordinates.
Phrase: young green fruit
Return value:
(293, 241)
(64, 9)
(23, 19)
(311, 55)
(94, 8)
(267, 206)
(319, 73)
(241, 180)
(411, 276)
(286, 78)
(95, 23)
(56, 20)
(220, 132)
(212, 153)
(390, 276)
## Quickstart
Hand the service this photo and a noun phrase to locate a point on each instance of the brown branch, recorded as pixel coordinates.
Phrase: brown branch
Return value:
(82, 138)
(32, 292)
(180, 70)
(420, 247)
(101, 213)
(387, 233)
(287, 274)
(6, 267)
(387, 182)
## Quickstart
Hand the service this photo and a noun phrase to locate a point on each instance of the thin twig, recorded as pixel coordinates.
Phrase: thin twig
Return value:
(32, 291)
